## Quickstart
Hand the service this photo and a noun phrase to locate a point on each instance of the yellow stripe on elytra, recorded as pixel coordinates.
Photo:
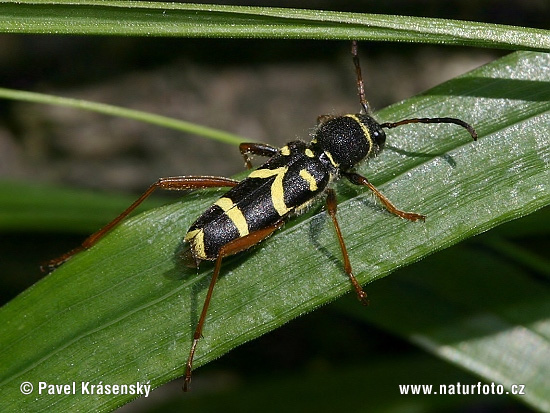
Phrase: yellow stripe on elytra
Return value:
(306, 176)
(365, 130)
(234, 214)
(331, 159)
(196, 237)
(285, 150)
(309, 153)
(277, 190)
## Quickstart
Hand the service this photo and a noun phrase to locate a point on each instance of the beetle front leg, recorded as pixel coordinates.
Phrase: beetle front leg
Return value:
(361, 180)
(260, 149)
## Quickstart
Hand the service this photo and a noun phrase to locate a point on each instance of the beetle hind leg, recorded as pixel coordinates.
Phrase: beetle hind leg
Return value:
(176, 183)
(233, 247)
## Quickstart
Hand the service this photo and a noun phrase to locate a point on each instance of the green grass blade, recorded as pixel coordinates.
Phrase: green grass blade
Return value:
(175, 19)
(125, 310)
(164, 121)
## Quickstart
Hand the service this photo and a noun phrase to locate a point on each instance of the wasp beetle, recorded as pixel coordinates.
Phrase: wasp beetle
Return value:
(293, 177)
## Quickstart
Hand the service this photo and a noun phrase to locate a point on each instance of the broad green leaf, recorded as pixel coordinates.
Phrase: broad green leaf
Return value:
(142, 18)
(125, 310)
(475, 309)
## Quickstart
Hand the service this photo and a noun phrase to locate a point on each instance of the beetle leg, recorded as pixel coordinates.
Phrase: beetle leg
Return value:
(331, 209)
(361, 180)
(233, 247)
(177, 183)
(260, 149)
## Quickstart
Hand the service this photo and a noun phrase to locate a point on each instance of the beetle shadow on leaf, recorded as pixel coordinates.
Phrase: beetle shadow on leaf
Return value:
(316, 225)
(445, 156)
(182, 271)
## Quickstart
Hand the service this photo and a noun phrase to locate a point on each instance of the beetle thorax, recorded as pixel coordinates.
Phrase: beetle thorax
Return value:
(349, 139)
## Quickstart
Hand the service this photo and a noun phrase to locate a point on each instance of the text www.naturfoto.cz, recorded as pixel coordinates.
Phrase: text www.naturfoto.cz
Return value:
(460, 388)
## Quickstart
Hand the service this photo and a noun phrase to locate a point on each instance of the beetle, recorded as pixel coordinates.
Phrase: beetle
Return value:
(293, 178)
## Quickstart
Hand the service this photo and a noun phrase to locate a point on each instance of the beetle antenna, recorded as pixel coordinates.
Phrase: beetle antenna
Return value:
(360, 83)
(458, 122)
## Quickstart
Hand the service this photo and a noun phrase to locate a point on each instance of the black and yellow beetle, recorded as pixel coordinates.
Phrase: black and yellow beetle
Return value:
(293, 177)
